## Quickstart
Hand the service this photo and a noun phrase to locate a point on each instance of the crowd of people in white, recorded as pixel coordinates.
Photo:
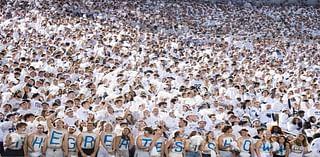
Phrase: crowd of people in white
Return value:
(158, 78)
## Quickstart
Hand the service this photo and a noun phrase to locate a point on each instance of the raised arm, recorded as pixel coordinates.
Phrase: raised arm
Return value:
(50, 120)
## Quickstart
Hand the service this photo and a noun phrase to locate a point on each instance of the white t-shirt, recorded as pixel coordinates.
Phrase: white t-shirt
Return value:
(70, 120)
(82, 113)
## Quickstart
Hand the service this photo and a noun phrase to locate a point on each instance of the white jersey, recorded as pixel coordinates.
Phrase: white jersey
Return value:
(88, 140)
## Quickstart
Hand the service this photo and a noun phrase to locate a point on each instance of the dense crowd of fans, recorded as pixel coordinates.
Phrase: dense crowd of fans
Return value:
(158, 78)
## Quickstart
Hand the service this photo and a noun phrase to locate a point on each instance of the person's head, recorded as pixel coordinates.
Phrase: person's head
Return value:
(182, 123)
(155, 111)
(177, 134)
(71, 129)
(21, 127)
(202, 124)
(40, 129)
(312, 119)
(148, 131)
(213, 117)
(158, 132)
(282, 139)
(256, 123)
(243, 132)
(59, 123)
(146, 113)
(301, 140)
(108, 127)
(110, 110)
(141, 124)
(290, 138)
(274, 138)
(7, 108)
(301, 113)
(209, 136)
(276, 130)
(267, 135)
(193, 133)
(118, 102)
(316, 135)
(126, 131)
(227, 129)
(69, 112)
(172, 115)
(90, 126)
(29, 117)
(91, 116)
